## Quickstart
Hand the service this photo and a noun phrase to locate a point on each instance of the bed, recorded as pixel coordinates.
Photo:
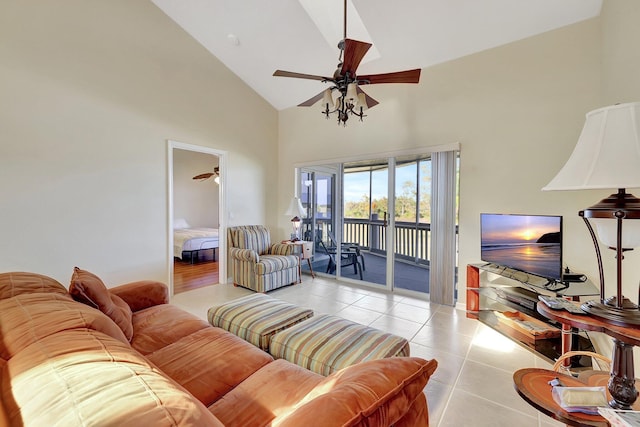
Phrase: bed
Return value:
(191, 240)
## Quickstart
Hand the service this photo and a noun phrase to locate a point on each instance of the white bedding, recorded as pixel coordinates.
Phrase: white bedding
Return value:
(193, 239)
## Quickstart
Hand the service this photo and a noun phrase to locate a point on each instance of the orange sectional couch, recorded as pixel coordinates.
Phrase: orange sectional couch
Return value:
(126, 357)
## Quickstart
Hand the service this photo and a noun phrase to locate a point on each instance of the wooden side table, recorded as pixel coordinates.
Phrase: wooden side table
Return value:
(532, 384)
(622, 384)
(305, 251)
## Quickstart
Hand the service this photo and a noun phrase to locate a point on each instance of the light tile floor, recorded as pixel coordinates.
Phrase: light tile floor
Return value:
(473, 384)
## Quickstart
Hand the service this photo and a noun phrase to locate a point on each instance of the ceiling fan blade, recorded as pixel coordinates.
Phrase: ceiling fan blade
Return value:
(354, 51)
(280, 73)
(409, 76)
(204, 176)
(309, 102)
(370, 101)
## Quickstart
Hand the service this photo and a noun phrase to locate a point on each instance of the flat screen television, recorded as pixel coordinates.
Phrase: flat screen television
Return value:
(528, 243)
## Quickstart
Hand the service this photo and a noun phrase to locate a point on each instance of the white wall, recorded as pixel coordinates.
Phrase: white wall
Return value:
(621, 56)
(516, 110)
(90, 92)
(195, 201)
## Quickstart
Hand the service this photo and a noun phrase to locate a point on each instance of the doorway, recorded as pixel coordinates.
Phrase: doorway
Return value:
(196, 204)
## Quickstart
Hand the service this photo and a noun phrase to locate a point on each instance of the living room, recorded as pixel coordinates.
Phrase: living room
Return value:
(92, 91)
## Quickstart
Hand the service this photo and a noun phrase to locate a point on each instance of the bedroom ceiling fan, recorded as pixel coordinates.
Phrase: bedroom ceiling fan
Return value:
(351, 99)
(207, 175)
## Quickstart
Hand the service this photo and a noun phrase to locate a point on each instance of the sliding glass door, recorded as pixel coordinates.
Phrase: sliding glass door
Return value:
(318, 197)
(371, 220)
(365, 220)
(412, 225)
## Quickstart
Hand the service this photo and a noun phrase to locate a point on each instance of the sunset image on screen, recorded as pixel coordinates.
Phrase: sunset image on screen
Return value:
(530, 243)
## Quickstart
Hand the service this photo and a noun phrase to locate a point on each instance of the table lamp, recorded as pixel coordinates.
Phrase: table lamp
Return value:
(295, 209)
(607, 156)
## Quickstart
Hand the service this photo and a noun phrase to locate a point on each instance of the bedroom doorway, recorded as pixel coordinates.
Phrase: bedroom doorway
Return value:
(196, 206)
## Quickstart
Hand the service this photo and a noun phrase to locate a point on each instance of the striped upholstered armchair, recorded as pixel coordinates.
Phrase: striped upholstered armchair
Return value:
(258, 264)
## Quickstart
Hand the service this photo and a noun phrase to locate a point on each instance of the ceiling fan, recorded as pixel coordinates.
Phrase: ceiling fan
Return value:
(351, 100)
(207, 175)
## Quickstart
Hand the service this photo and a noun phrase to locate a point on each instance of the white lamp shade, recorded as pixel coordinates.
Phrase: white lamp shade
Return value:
(607, 155)
(352, 92)
(295, 208)
(327, 100)
(362, 101)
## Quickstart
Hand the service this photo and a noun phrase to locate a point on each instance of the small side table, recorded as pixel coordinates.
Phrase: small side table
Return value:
(305, 252)
(532, 384)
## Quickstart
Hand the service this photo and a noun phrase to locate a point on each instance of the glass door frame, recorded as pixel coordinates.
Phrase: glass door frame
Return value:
(338, 220)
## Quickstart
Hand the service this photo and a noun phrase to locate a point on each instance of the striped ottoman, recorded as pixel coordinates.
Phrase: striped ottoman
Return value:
(256, 318)
(324, 344)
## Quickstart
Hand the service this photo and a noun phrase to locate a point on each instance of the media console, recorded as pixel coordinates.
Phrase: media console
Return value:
(505, 300)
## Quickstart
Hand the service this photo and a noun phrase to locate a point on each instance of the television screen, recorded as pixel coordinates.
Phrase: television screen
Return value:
(529, 243)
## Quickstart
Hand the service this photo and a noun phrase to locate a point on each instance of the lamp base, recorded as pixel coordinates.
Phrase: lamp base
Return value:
(628, 315)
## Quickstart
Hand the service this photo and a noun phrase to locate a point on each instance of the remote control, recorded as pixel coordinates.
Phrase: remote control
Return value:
(557, 303)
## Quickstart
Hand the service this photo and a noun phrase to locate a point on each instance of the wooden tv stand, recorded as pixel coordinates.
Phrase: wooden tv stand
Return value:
(505, 300)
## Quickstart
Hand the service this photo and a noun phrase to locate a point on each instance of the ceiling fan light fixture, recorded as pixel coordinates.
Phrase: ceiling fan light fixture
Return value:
(362, 101)
(351, 100)
(352, 93)
(327, 101)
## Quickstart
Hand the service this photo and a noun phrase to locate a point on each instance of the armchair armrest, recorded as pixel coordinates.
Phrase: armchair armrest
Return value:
(142, 294)
(244, 254)
(281, 249)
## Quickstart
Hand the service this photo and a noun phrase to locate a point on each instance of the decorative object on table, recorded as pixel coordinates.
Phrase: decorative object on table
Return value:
(351, 100)
(295, 209)
(607, 155)
(579, 399)
(207, 175)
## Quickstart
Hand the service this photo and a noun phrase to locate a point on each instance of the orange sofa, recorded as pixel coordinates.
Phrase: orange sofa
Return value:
(124, 356)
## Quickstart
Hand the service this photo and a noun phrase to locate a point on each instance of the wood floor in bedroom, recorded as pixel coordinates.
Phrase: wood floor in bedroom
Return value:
(187, 276)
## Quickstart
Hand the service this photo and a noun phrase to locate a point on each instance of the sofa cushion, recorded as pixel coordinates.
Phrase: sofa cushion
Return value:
(142, 294)
(27, 318)
(372, 393)
(269, 393)
(84, 377)
(209, 362)
(158, 326)
(87, 288)
(272, 263)
(17, 283)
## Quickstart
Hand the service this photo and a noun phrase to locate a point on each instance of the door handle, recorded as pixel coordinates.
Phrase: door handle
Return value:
(384, 223)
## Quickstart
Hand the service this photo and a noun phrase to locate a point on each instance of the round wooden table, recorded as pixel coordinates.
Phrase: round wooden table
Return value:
(532, 384)
(622, 384)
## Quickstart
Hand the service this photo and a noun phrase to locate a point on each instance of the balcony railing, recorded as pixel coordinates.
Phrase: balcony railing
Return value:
(411, 239)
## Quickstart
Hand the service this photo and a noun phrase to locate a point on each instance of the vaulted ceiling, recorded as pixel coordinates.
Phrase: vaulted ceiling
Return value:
(253, 38)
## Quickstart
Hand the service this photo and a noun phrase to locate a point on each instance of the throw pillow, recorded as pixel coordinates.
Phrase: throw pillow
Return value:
(87, 288)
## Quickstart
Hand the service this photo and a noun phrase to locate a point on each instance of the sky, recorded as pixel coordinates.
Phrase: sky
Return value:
(356, 185)
(497, 228)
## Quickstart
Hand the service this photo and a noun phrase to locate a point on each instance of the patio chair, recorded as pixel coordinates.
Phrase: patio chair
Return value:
(347, 257)
(348, 247)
